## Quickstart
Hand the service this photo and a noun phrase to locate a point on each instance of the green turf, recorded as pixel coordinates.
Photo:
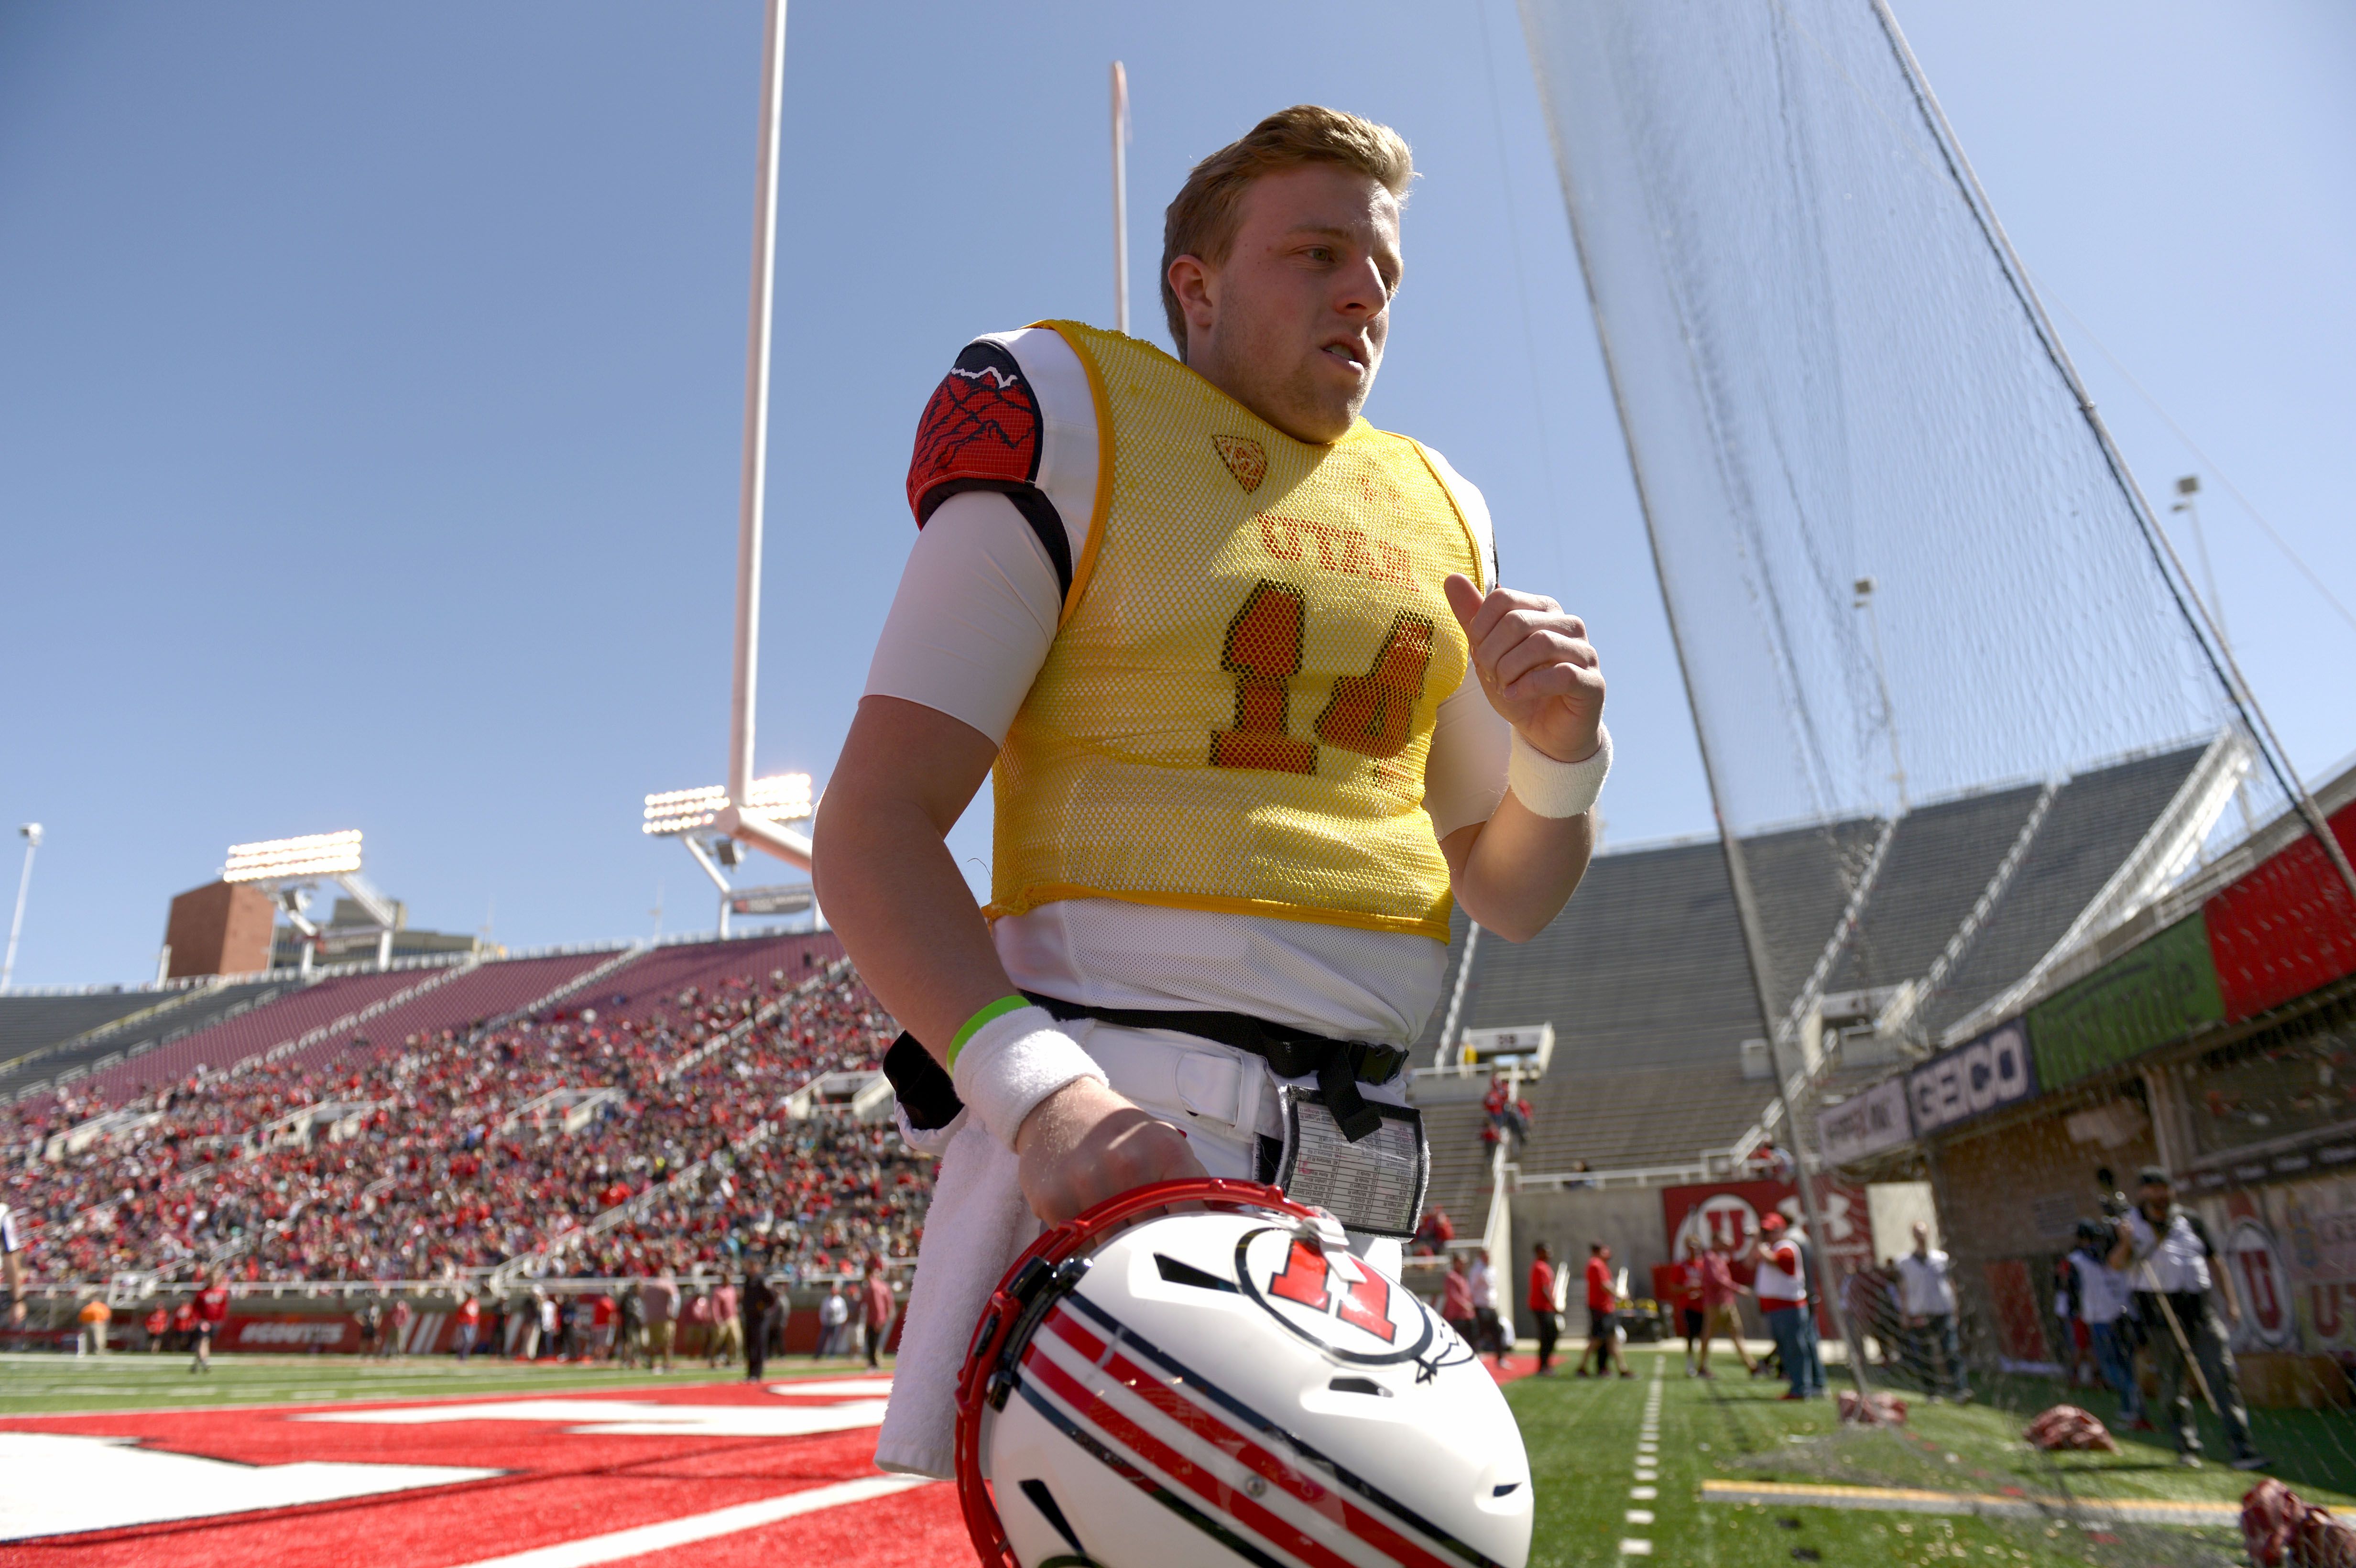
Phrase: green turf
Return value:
(32, 1384)
(1582, 1435)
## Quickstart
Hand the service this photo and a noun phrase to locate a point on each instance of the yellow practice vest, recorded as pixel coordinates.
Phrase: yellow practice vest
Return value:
(1236, 708)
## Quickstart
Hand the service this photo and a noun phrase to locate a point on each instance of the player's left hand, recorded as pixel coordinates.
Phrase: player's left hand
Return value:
(1536, 666)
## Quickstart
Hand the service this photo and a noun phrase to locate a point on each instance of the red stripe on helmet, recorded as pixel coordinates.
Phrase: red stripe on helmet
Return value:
(1230, 1439)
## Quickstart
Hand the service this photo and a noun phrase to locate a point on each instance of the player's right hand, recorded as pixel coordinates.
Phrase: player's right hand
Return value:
(1084, 1144)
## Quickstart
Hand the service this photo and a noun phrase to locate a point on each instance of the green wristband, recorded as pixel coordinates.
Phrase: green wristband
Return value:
(994, 1011)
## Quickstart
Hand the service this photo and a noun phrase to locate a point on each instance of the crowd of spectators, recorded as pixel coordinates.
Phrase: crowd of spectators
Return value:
(462, 1151)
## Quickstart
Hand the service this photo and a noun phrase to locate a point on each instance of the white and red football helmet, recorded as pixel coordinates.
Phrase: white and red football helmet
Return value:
(1199, 1373)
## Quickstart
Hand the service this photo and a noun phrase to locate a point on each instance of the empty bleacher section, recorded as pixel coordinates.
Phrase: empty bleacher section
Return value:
(463, 1000)
(1645, 981)
(645, 991)
(156, 1017)
(30, 1024)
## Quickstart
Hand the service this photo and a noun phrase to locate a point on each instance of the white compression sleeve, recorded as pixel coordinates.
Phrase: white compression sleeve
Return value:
(975, 613)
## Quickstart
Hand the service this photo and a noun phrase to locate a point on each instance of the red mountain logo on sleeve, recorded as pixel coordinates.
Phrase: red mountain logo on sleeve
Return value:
(980, 430)
(1246, 460)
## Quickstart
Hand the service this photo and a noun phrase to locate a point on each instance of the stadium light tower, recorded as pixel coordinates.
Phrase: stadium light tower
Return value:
(290, 871)
(740, 816)
(699, 818)
(32, 834)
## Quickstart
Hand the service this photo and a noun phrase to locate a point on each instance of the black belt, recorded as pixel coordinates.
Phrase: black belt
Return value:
(1338, 1065)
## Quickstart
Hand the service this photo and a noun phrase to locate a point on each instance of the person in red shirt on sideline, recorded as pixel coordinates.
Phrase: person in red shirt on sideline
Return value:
(877, 1322)
(1684, 1291)
(1602, 1331)
(212, 1311)
(470, 1323)
(1782, 1290)
(1718, 1314)
(1456, 1302)
(158, 1324)
(1541, 1306)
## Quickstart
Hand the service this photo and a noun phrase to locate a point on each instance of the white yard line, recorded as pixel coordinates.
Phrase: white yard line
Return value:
(620, 1544)
(1648, 1448)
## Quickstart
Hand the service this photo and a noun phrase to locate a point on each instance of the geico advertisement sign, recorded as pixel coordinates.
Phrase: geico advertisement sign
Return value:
(1980, 1075)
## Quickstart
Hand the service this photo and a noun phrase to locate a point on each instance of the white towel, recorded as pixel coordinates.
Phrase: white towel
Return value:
(978, 1225)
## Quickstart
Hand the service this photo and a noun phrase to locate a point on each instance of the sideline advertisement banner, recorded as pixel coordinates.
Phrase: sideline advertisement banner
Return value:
(1995, 1070)
(285, 1333)
(2159, 991)
(1866, 1123)
(2282, 930)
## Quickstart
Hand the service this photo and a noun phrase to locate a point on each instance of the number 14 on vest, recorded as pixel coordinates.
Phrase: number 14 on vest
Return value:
(1368, 713)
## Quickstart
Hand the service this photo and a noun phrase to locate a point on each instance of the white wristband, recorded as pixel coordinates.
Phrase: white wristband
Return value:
(1014, 1062)
(1553, 789)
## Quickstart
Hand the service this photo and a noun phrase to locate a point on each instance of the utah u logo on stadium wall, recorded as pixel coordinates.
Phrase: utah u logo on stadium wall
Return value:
(1371, 1321)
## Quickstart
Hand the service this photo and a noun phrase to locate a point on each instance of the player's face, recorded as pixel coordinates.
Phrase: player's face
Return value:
(1291, 324)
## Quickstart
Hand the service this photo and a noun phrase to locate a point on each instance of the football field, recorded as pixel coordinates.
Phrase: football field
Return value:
(290, 1461)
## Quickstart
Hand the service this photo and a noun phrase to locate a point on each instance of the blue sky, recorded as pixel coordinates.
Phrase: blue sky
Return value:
(370, 379)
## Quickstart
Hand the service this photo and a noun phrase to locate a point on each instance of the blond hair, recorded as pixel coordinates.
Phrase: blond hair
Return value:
(1202, 220)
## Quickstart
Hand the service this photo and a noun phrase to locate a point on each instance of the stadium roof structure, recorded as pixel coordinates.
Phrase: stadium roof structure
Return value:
(1644, 980)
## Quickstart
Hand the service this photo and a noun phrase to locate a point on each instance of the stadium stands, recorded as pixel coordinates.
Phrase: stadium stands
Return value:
(1645, 981)
(371, 1155)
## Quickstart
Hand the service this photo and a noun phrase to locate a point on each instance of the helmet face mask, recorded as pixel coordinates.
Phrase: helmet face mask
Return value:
(1200, 1372)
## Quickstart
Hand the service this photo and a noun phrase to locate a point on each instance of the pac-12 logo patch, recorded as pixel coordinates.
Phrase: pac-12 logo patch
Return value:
(1245, 458)
(1371, 1321)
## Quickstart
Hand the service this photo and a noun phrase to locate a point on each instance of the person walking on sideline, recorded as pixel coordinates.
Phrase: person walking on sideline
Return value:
(876, 1320)
(1783, 1300)
(1456, 1303)
(834, 1323)
(659, 1306)
(1602, 1325)
(2164, 1251)
(1719, 1314)
(95, 1317)
(1927, 1298)
(212, 1311)
(1491, 1328)
(760, 1320)
(396, 1341)
(470, 1324)
(1541, 1304)
(2102, 1297)
(727, 1341)
(1685, 1290)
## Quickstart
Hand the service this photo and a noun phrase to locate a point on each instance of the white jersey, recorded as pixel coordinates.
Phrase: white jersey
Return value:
(1483, 1281)
(8, 1243)
(1924, 1289)
(978, 606)
(2103, 1290)
(2175, 1262)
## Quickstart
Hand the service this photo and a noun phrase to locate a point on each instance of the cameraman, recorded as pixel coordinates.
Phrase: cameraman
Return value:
(2166, 1250)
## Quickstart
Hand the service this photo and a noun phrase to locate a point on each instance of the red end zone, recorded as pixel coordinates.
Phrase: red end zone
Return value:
(708, 1474)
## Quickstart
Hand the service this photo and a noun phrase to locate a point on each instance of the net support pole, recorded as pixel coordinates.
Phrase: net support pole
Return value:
(2188, 605)
(1737, 873)
(753, 479)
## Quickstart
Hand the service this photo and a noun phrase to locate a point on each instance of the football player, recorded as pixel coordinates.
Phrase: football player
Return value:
(1258, 709)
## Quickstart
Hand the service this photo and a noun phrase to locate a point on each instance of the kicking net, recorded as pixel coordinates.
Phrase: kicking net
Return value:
(1965, 724)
